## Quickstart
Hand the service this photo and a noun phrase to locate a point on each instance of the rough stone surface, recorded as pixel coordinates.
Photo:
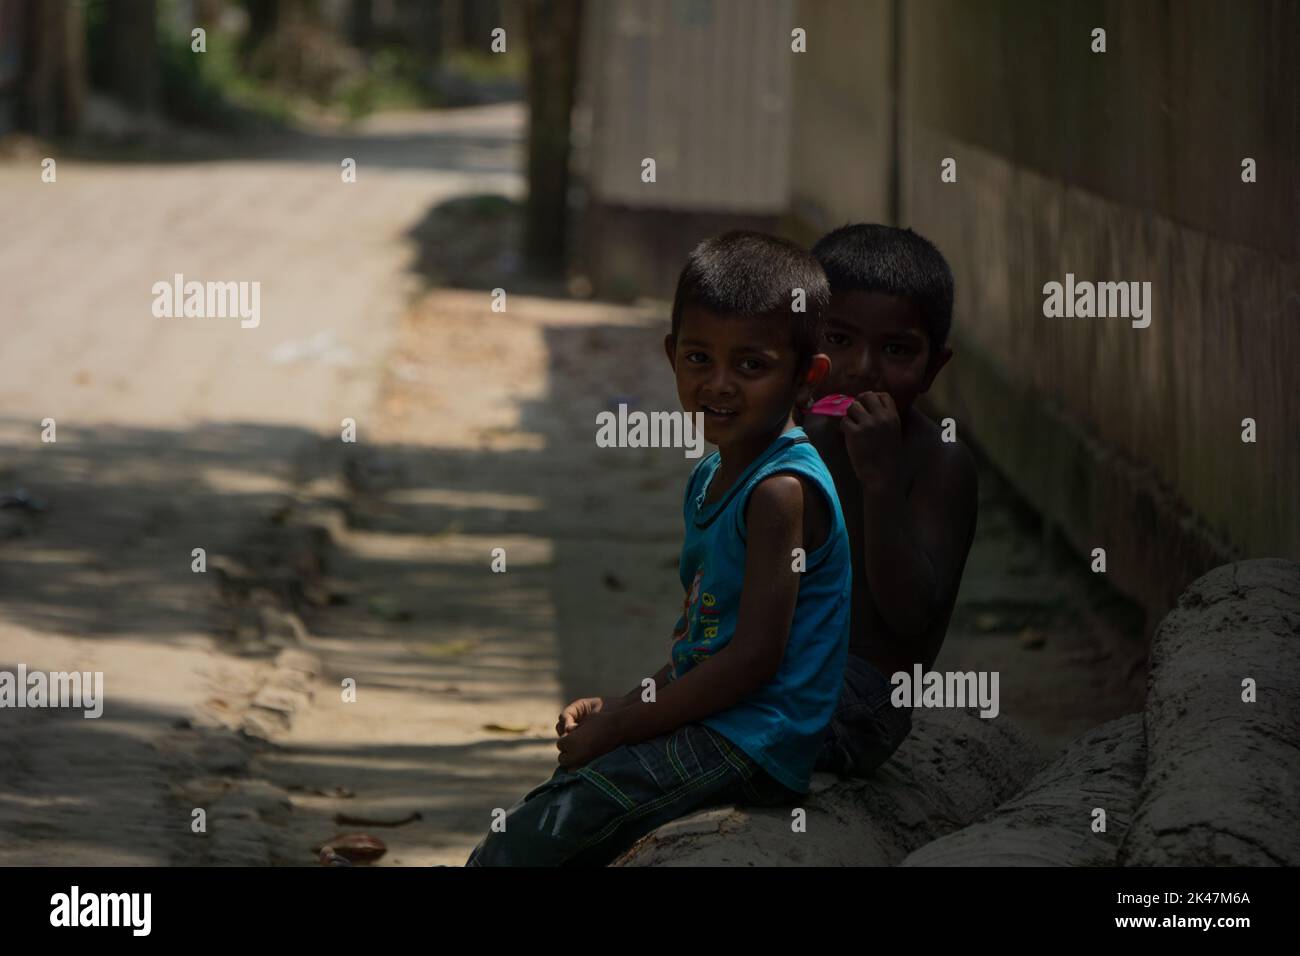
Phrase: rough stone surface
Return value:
(1049, 823)
(1222, 786)
(1200, 778)
(953, 768)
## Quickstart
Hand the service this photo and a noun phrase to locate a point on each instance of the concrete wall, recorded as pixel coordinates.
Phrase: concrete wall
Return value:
(1117, 166)
(703, 88)
(841, 145)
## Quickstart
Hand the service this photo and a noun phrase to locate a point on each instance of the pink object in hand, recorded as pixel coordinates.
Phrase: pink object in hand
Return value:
(834, 405)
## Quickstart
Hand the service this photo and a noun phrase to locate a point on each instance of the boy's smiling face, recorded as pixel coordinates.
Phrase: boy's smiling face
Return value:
(878, 343)
(740, 372)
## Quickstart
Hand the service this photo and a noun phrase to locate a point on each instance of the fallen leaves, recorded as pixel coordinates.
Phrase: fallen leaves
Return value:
(507, 728)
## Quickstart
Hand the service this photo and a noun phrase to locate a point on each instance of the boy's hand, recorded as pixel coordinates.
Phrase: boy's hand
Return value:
(598, 735)
(873, 438)
(576, 712)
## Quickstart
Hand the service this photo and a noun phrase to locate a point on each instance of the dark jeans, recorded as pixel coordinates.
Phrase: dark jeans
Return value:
(866, 728)
(590, 816)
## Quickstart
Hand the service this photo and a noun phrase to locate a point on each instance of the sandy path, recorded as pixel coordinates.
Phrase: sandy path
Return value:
(180, 433)
(485, 440)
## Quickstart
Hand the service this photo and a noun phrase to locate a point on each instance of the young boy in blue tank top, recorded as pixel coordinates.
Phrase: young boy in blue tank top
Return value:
(756, 661)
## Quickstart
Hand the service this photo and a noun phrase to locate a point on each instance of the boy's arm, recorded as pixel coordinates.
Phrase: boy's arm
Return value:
(914, 547)
(634, 695)
(753, 655)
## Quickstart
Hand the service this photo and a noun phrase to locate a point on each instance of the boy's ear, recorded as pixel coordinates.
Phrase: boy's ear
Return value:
(670, 347)
(818, 368)
(937, 362)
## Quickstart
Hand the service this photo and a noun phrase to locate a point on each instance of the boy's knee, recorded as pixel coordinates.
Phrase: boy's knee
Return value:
(523, 840)
(544, 829)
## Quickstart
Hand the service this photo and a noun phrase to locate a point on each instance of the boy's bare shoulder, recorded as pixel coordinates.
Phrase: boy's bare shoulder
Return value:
(780, 495)
(938, 465)
(784, 496)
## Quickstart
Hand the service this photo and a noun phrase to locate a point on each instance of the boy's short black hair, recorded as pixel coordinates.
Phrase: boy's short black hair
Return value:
(869, 257)
(752, 274)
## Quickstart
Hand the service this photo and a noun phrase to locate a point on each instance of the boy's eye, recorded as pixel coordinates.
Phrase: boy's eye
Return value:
(837, 339)
(753, 365)
(696, 358)
(902, 349)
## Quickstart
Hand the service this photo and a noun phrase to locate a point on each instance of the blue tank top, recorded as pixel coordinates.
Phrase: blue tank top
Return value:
(781, 725)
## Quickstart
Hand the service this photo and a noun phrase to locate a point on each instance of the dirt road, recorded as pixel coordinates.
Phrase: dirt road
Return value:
(179, 433)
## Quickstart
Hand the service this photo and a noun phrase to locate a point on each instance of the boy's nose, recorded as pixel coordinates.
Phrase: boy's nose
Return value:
(720, 382)
(867, 371)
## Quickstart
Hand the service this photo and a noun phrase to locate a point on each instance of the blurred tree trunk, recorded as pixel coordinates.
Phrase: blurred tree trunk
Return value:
(426, 19)
(52, 75)
(263, 18)
(361, 23)
(552, 29)
(478, 20)
(133, 52)
(74, 75)
(207, 13)
(453, 24)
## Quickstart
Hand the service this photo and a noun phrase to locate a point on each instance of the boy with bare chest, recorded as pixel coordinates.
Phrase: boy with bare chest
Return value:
(908, 496)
